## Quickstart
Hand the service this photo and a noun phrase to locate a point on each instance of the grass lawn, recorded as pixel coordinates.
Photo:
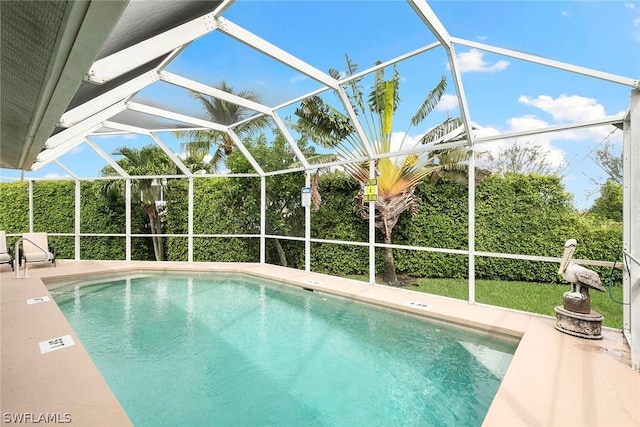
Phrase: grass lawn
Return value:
(539, 298)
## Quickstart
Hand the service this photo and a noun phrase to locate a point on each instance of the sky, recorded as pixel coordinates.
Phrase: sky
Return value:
(504, 94)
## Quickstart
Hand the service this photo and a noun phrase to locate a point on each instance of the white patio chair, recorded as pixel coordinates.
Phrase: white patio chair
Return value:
(5, 253)
(36, 249)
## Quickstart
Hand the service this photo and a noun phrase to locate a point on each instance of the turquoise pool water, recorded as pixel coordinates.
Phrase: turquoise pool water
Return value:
(205, 350)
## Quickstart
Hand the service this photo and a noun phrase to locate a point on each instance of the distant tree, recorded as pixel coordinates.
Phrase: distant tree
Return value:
(522, 158)
(200, 142)
(148, 160)
(610, 160)
(284, 213)
(609, 204)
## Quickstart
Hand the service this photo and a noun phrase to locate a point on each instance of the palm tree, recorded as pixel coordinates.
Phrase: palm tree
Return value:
(225, 113)
(148, 160)
(397, 177)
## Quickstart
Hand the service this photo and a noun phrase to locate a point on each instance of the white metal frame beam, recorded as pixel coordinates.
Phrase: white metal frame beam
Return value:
(86, 126)
(172, 155)
(430, 19)
(246, 152)
(631, 228)
(106, 157)
(287, 135)
(119, 63)
(51, 155)
(134, 106)
(261, 45)
(99, 103)
(66, 169)
(351, 113)
(154, 111)
(195, 86)
(549, 62)
(610, 120)
(141, 131)
(471, 197)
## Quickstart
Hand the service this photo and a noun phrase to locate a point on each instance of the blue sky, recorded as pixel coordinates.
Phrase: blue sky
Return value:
(504, 94)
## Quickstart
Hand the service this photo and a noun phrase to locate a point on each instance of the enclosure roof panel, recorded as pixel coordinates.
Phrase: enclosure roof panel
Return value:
(69, 66)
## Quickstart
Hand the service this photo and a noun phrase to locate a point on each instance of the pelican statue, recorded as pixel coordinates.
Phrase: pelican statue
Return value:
(579, 276)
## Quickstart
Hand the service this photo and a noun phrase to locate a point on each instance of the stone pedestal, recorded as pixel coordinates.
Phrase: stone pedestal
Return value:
(583, 325)
(578, 302)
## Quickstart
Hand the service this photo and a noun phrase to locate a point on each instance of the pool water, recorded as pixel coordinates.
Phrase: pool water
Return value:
(240, 351)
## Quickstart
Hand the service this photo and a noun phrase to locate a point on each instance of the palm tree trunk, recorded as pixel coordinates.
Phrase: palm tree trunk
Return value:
(389, 266)
(281, 254)
(159, 243)
(156, 228)
(227, 144)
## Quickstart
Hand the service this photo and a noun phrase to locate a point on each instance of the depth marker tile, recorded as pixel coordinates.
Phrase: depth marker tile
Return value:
(56, 344)
(38, 300)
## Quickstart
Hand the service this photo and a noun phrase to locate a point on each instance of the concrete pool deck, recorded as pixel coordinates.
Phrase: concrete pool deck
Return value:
(553, 380)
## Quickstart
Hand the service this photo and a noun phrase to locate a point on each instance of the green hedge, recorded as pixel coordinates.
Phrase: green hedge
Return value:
(529, 215)
(14, 207)
(337, 220)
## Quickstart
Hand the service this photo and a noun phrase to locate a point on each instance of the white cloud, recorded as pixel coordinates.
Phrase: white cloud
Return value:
(402, 141)
(54, 175)
(555, 156)
(481, 37)
(635, 21)
(447, 103)
(183, 156)
(296, 79)
(563, 109)
(564, 13)
(130, 136)
(567, 108)
(570, 109)
(473, 60)
(526, 122)
(78, 149)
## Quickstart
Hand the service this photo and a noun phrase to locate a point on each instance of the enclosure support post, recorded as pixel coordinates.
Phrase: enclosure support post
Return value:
(77, 221)
(307, 227)
(30, 206)
(472, 226)
(631, 228)
(263, 218)
(127, 207)
(443, 36)
(190, 223)
(372, 230)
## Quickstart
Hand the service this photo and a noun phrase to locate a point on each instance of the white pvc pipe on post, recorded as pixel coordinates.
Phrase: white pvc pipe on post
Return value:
(77, 223)
(631, 228)
(307, 227)
(372, 230)
(190, 224)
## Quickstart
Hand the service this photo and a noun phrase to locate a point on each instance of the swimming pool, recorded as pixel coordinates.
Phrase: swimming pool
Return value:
(229, 349)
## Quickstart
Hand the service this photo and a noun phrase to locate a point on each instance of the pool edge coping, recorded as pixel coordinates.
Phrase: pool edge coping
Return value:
(515, 392)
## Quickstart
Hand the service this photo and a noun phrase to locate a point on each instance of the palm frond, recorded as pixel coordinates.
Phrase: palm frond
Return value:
(335, 73)
(430, 102)
(254, 126)
(452, 156)
(322, 123)
(355, 91)
(317, 159)
(198, 147)
(452, 127)
(217, 159)
(351, 66)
